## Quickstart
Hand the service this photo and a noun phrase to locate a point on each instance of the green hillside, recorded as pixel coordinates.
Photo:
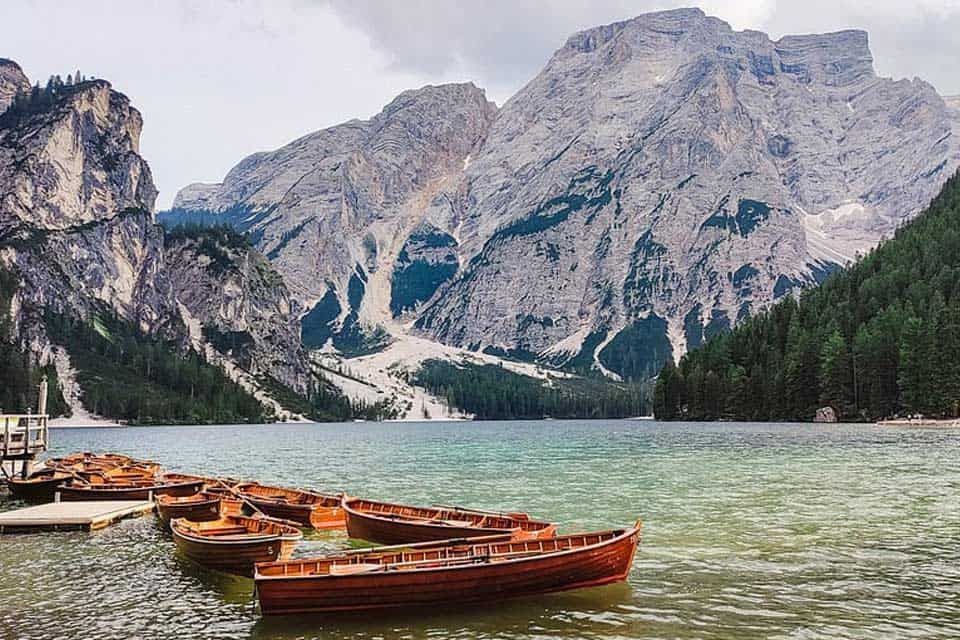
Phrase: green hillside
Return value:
(878, 339)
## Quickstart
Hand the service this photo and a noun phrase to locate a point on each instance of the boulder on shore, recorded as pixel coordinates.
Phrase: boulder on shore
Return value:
(825, 414)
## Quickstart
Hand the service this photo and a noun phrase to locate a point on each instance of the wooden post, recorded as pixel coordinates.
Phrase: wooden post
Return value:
(42, 400)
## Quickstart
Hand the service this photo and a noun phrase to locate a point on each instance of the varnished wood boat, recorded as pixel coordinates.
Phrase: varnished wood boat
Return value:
(311, 509)
(388, 523)
(106, 459)
(440, 573)
(40, 487)
(208, 481)
(106, 467)
(199, 507)
(127, 490)
(234, 544)
(230, 504)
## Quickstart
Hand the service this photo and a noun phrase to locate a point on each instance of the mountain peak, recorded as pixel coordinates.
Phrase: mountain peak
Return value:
(835, 59)
(464, 95)
(671, 22)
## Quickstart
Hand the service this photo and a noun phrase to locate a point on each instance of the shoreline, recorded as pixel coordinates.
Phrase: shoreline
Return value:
(949, 423)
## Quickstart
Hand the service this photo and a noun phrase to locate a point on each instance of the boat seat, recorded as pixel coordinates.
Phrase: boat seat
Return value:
(222, 531)
(351, 569)
(458, 523)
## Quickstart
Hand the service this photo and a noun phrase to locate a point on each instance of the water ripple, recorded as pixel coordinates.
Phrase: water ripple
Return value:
(751, 530)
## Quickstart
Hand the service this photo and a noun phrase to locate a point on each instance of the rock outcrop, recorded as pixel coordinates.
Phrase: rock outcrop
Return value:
(666, 175)
(245, 311)
(77, 226)
(334, 209)
(12, 82)
(658, 180)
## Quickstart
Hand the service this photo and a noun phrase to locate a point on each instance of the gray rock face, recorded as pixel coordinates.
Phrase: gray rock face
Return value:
(12, 80)
(334, 208)
(659, 179)
(78, 162)
(246, 311)
(76, 224)
(665, 175)
(76, 203)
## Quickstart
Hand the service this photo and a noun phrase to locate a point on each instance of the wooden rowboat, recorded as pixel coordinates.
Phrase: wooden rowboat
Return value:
(40, 487)
(127, 490)
(311, 509)
(441, 573)
(234, 544)
(199, 507)
(230, 505)
(388, 523)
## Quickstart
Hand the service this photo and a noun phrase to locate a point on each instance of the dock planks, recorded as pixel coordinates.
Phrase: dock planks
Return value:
(84, 516)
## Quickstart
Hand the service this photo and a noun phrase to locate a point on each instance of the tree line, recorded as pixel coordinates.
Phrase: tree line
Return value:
(878, 339)
(39, 99)
(20, 371)
(491, 392)
(136, 378)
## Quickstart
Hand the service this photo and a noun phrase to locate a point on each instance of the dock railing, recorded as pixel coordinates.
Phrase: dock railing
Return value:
(24, 435)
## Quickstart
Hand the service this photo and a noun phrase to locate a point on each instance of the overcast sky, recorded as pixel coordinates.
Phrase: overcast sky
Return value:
(218, 80)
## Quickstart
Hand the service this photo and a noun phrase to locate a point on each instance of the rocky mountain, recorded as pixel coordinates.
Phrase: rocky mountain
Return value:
(334, 209)
(12, 81)
(660, 179)
(77, 229)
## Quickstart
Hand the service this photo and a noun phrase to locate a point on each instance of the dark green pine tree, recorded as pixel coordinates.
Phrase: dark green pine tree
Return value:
(667, 392)
(880, 338)
(911, 373)
(836, 375)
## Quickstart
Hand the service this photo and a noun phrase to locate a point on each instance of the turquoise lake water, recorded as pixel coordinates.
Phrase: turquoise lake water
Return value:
(750, 530)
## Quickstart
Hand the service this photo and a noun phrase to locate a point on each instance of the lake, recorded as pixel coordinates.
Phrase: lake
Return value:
(750, 530)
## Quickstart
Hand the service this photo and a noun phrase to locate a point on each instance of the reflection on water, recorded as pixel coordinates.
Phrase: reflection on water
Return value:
(751, 531)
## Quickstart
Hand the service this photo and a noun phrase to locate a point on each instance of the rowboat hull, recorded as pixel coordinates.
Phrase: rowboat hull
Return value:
(592, 566)
(230, 505)
(374, 527)
(41, 489)
(107, 492)
(314, 516)
(236, 554)
(238, 558)
(200, 510)
(307, 508)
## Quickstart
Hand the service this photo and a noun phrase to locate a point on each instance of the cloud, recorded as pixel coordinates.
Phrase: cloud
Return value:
(215, 81)
(505, 42)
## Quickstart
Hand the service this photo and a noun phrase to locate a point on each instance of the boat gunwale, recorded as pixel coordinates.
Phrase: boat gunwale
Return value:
(199, 499)
(619, 535)
(280, 499)
(250, 539)
(482, 531)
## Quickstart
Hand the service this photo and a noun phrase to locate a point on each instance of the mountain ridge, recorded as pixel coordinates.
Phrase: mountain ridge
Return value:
(660, 179)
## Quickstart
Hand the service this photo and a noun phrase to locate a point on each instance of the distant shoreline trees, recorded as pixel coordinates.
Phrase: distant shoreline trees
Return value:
(878, 339)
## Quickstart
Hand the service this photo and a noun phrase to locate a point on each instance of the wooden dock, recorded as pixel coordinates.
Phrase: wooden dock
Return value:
(59, 516)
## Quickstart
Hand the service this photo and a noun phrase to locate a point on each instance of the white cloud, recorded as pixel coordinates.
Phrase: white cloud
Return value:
(215, 81)
(504, 42)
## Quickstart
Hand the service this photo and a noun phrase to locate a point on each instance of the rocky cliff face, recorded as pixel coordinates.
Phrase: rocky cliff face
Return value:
(659, 179)
(76, 203)
(664, 176)
(76, 225)
(232, 299)
(12, 81)
(333, 210)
